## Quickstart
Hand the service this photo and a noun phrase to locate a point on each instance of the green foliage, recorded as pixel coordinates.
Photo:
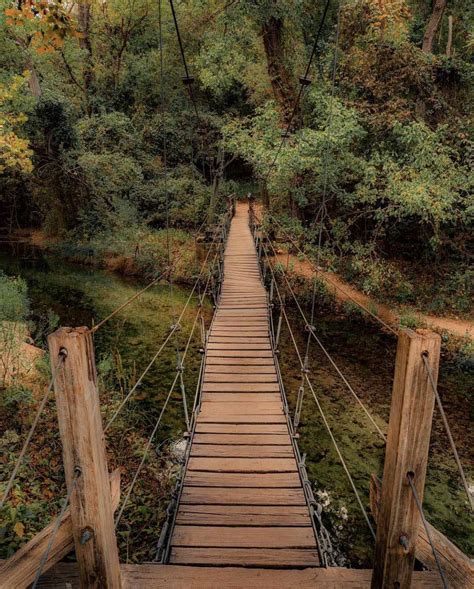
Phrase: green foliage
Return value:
(14, 302)
(110, 132)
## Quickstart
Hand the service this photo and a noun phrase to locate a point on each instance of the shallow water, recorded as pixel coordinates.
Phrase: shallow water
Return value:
(82, 296)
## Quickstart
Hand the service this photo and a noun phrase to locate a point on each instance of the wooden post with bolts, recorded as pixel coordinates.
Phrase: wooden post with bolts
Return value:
(406, 454)
(80, 427)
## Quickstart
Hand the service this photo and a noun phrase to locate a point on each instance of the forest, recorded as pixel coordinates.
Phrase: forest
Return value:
(126, 129)
(382, 134)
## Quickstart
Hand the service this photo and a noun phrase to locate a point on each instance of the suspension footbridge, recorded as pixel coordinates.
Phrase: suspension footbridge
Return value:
(242, 502)
(243, 512)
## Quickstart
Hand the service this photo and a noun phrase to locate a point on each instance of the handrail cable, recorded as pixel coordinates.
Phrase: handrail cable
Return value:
(158, 421)
(323, 208)
(19, 460)
(171, 296)
(424, 355)
(410, 477)
(174, 328)
(57, 525)
(165, 155)
(311, 330)
(303, 83)
(319, 270)
(140, 292)
(328, 427)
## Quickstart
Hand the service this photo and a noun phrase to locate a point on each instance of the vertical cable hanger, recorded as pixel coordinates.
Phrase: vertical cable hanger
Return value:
(305, 81)
(188, 80)
(322, 213)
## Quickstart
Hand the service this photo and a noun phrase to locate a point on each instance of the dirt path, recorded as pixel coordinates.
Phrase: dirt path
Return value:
(345, 292)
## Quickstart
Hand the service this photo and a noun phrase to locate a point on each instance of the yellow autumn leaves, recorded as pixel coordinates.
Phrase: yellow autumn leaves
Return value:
(47, 23)
(15, 153)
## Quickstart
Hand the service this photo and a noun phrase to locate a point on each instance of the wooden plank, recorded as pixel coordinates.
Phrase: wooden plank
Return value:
(243, 515)
(251, 354)
(269, 409)
(242, 451)
(243, 378)
(239, 419)
(242, 496)
(242, 537)
(238, 369)
(241, 428)
(174, 576)
(245, 557)
(229, 479)
(19, 571)
(257, 439)
(243, 464)
(229, 339)
(409, 430)
(239, 387)
(241, 361)
(240, 332)
(241, 397)
(240, 322)
(238, 346)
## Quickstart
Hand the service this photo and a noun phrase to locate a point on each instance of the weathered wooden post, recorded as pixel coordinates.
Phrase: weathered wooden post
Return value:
(406, 455)
(85, 461)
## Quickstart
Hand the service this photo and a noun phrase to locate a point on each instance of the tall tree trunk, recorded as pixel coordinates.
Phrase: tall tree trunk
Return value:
(84, 17)
(449, 44)
(433, 25)
(33, 80)
(280, 77)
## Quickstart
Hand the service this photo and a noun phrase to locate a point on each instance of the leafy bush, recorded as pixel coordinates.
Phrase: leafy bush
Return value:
(14, 310)
(14, 303)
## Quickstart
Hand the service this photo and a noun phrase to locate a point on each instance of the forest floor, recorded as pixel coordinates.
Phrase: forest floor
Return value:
(344, 292)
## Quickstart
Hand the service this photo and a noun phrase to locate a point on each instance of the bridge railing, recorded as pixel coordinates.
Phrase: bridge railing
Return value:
(402, 529)
(86, 520)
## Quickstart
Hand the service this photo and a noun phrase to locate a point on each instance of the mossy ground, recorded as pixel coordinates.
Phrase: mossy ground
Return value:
(125, 345)
(366, 356)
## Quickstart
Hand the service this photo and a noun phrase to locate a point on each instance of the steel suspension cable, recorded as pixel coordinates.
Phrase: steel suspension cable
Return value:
(19, 460)
(174, 328)
(188, 79)
(304, 80)
(165, 150)
(427, 529)
(57, 525)
(311, 331)
(447, 428)
(158, 421)
(320, 409)
(328, 133)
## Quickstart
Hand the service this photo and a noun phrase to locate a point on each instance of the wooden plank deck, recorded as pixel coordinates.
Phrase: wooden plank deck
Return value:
(242, 502)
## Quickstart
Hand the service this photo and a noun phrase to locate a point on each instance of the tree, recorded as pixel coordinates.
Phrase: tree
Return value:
(433, 25)
(280, 77)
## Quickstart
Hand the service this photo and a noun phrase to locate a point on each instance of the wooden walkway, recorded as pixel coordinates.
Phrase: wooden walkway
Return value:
(242, 501)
